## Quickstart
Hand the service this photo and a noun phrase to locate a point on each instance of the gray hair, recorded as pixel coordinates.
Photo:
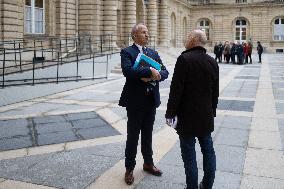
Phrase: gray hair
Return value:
(135, 28)
(196, 38)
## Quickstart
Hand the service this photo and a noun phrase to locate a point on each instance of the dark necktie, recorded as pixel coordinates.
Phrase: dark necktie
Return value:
(144, 50)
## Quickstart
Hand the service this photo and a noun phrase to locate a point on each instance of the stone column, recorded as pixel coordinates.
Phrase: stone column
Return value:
(12, 19)
(110, 20)
(163, 24)
(152, 22)
(61, 19)
(1, 21)
(130, 20)
(90, 20)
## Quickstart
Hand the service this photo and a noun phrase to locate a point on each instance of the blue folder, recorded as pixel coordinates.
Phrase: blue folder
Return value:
(145, 61)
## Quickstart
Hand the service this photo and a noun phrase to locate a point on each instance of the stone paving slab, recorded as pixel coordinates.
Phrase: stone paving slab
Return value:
(56, 138)
(250, 181)
(237, 122)
(226, 156)
(97, 132)
(53, 127)
(48, 119)
(15, 143)
(232, 137)
(269, 164)
(79, 116)
(43, 130)
(14, 128)
(74, 169)
(236, 105)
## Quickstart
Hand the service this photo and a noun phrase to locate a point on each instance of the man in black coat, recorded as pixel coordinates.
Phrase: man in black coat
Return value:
(141, 97)
(259, 49)
(192, 102)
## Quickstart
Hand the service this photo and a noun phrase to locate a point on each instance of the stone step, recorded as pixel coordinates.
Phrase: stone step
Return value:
(116, 70)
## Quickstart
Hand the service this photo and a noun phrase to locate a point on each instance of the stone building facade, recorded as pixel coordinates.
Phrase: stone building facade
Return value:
(168, 21)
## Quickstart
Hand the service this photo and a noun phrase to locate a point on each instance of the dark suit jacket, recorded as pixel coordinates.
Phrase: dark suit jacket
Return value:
(194, 93)
(134, 91)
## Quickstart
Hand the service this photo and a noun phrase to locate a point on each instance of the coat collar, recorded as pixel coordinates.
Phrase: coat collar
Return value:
(137, 47)
(198, 48)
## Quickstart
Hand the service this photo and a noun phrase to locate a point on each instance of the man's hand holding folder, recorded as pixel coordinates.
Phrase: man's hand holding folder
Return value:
(144, 61)
(155, 76)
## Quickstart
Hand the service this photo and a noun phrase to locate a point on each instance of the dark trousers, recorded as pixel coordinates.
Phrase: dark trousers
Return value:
(233, 58)
(139, 120)
(249, 56)
(187, 145)
(219, 57)
(240, 58)
(259, 57)
(227, 56)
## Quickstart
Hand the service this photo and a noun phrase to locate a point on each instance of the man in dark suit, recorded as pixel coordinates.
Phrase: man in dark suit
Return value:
(193, 100)
(141, 97)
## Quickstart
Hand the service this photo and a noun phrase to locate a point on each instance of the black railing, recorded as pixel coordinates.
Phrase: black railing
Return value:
(32, 61)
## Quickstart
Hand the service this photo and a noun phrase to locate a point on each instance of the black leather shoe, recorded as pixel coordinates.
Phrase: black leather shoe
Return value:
(128, 177)
(152, 169)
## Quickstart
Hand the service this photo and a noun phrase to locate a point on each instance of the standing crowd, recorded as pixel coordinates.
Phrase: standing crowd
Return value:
(238, 53)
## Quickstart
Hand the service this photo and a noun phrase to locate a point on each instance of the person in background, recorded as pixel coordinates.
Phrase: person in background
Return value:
(141, 97)
(227, 52)
(249, 51)
(245, 46)
(233, 52)
(240, 52)
(192, 102)
(216, 52)
(259, 49)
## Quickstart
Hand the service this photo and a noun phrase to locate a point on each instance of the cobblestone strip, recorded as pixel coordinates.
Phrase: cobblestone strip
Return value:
(264, 163)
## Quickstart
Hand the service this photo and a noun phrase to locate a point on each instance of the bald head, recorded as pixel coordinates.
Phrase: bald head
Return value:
(196, 38)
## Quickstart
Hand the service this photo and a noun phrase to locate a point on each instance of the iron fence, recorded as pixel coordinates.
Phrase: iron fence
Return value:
(47, 60)
(53, 59)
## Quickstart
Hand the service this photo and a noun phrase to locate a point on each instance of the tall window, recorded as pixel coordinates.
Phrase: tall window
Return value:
(205, 26)
(184, 31)
(34, 16)
(278, 34)
(241, 30)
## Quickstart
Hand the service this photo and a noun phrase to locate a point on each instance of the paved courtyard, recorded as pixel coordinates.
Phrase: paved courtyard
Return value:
(74, 138)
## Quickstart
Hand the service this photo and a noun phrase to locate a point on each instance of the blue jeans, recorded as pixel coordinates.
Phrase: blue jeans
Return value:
(187, 145)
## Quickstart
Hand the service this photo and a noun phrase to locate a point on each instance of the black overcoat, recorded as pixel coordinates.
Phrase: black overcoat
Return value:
(194, 93)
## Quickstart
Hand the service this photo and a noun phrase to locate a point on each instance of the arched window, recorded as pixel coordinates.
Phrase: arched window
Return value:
(173, 30)
(241, 30)
(278, 34)
(205, 26)
(34, 16)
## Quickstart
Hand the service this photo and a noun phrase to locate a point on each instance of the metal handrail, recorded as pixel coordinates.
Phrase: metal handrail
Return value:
(30, 55)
